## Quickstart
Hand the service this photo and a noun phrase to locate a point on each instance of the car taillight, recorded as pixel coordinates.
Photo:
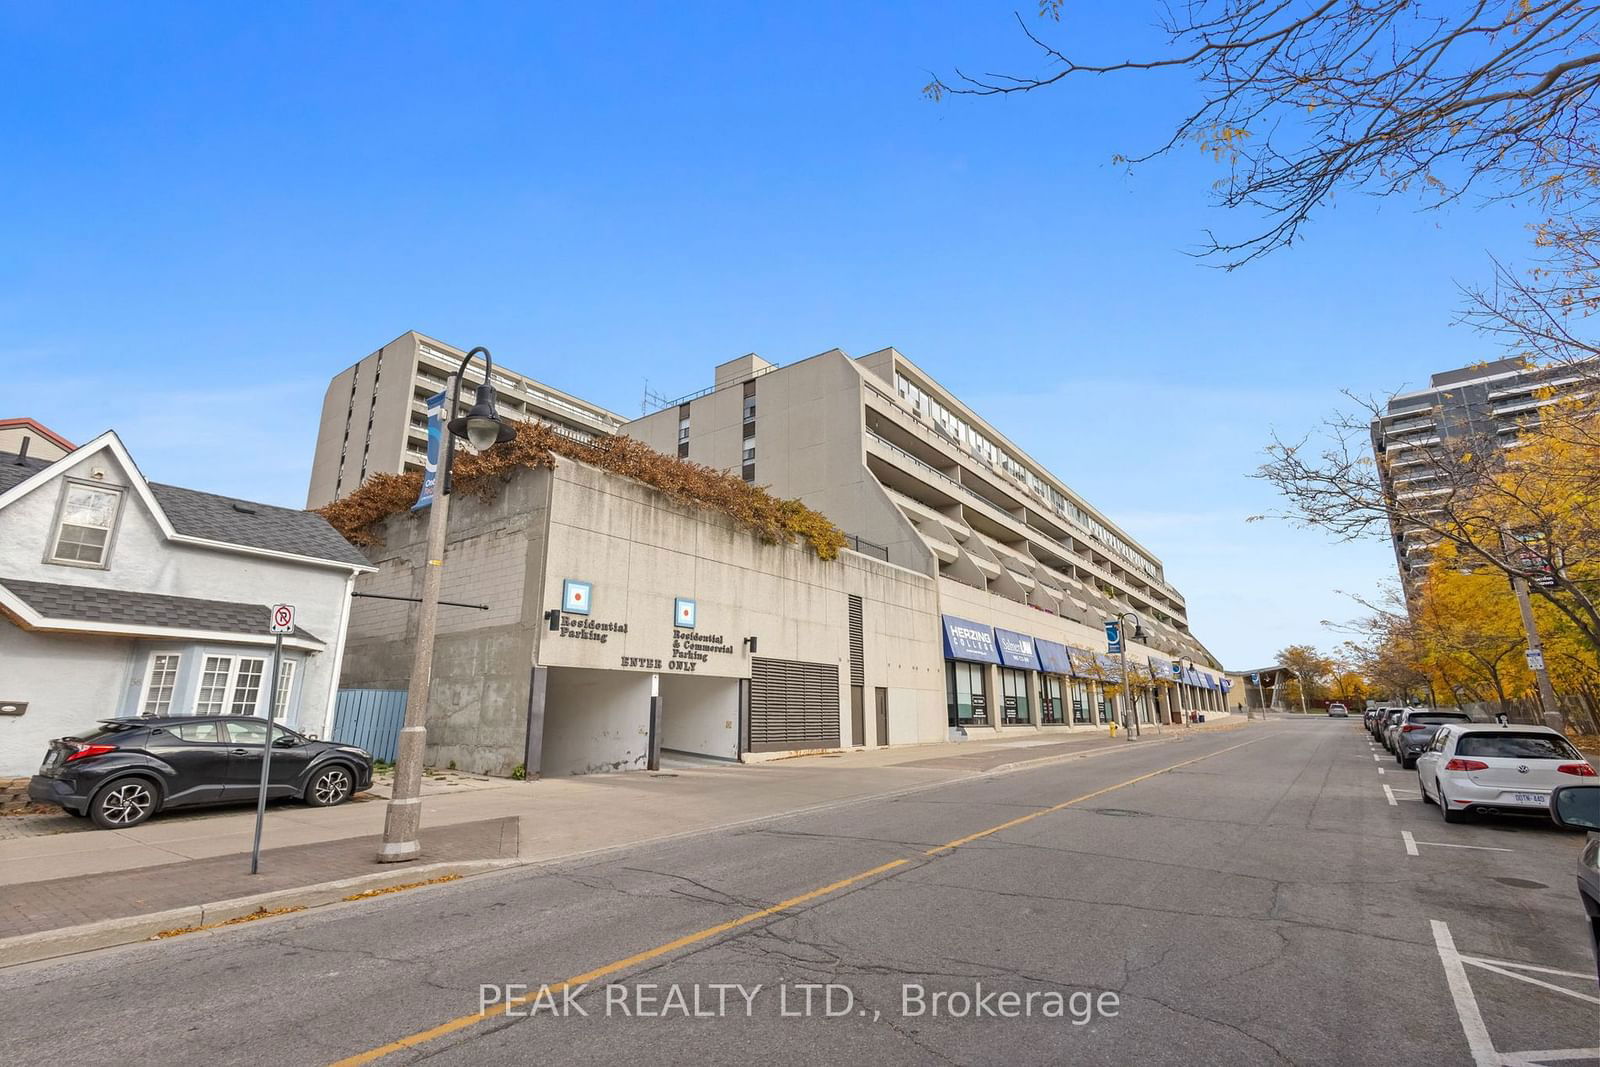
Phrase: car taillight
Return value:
(1582, 770)
(85, 751)
(1466, 765)
(1408, 727)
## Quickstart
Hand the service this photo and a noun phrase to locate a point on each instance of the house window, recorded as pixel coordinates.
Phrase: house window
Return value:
(247, 687)
(159, 683)
(213, 693)
(749, 409)
(83, 532)
(280, 706)
(750, 453)
(229, 685)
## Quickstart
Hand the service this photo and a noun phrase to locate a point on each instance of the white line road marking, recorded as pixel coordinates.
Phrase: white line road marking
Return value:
(1531, 981)
(1477, 1034)
(1525, 967)
(1374, 757)
(1541, 1056)
(1446, 844)
(1388, 794)
(1411, 843)
(1380, 770)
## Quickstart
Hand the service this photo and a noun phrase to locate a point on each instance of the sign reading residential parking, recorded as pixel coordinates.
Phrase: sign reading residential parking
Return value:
(282, 619)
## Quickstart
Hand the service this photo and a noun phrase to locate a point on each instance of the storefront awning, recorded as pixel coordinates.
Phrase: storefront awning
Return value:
(1052, 656)
(967, 640)
(1083, 662)
(1016, 650)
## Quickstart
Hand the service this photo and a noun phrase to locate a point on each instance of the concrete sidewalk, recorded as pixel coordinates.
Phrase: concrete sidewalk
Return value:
(64, 873)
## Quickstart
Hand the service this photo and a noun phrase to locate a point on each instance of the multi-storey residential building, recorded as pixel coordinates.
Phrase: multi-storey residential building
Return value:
(918, 478)
(1474, 408)
(374, 415)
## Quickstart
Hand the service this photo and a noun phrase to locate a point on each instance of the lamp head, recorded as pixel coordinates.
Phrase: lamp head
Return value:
(482, 425)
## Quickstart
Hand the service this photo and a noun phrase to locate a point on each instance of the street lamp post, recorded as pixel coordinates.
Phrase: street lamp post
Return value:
(1131, 727)
(1187, 665)
(483, 429)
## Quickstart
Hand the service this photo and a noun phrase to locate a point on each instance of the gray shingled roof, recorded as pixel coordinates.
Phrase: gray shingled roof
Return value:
(222, 518)
(77, 603)
(243, 522)
(12, 472)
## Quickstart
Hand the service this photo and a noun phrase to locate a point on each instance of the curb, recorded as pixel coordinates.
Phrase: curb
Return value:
(126, 930)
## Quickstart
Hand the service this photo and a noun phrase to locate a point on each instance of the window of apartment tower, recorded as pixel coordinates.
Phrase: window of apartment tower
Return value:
(968, 702)
(1050, 698)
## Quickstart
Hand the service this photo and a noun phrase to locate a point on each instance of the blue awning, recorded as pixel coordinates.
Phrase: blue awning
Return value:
(1083, 662)
(971, 641)
(1052, 656)
(1016, 650)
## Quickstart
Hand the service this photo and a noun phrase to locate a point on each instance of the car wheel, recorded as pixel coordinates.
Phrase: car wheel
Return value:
(1450, 815)
(1423, 790)
(329, 786)
(123, 803)
(1408, 762)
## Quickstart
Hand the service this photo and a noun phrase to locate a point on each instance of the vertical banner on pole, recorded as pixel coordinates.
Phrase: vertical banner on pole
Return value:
(430, 472)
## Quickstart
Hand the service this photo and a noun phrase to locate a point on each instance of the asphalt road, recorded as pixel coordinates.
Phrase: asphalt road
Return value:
(1243, 897)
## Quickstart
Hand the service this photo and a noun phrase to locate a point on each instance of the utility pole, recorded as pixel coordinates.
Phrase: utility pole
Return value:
(1547, 694)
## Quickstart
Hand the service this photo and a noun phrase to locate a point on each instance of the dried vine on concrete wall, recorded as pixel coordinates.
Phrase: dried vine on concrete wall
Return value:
(772, 518)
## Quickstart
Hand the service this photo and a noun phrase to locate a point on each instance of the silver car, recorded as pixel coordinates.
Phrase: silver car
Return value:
(1496, 767)
(1387, 727)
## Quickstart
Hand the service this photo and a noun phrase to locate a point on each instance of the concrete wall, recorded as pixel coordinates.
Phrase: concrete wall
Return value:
(482, 665)
(641, 551)
(700, 715)
(68, 683)
(143, 560)
(595, 722)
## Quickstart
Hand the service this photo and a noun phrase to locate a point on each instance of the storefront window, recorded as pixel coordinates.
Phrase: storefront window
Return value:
(1014, 697)
(1050, 698)
(968, 702)
(1108, 705)
(1080, 703)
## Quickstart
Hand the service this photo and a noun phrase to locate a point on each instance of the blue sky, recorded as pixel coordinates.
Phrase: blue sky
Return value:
(209, 211)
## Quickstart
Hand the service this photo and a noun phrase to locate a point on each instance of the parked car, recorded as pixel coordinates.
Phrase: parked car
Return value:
(1369, 719)
(1577, 807)
(1415, 731)
(1496, 767)
(1391, 722)
(122, 771)
(1337, 711)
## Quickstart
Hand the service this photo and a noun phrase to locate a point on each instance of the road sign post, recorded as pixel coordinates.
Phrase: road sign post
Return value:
(281, 623)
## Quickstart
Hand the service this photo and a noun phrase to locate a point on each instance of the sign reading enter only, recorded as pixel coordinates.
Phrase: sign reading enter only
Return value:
(282, 618)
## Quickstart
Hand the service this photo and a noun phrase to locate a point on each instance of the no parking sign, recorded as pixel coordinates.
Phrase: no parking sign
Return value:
(282, 618)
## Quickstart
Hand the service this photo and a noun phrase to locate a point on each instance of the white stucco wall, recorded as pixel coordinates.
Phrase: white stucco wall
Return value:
(68, 683)
(143, 560)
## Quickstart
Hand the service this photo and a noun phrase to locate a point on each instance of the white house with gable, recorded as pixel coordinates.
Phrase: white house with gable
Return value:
(123, 597)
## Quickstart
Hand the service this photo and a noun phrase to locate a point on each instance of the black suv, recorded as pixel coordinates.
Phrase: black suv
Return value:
(123, 771)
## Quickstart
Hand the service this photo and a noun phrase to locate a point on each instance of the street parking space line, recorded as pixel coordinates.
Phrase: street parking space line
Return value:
(1542, 1056)
(1411, 843)
(1479, 848)
(1380, 770)
(1530, 980)
(1526, 967)
(1455, 975)
(1388, 794)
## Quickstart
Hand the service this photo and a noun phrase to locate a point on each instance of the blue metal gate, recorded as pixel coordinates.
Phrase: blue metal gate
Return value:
(370, 719)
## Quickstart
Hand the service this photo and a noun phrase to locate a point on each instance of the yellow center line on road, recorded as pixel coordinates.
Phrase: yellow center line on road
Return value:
(463, 1022)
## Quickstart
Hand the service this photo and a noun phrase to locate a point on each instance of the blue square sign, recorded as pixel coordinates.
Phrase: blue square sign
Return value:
(576, 596)
(683, 613)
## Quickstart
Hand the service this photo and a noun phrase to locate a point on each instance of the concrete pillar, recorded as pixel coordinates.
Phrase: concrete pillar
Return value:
(533, 749)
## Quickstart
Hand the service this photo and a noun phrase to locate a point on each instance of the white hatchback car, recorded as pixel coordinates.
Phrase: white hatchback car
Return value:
(1479, 767)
